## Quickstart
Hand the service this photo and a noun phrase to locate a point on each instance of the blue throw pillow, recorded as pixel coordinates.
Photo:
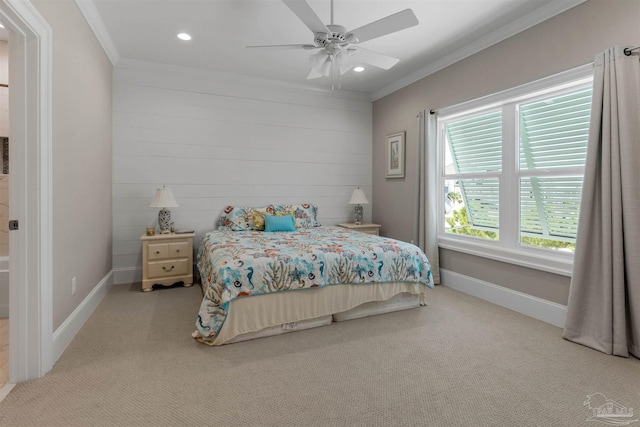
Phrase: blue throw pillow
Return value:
(279, 223)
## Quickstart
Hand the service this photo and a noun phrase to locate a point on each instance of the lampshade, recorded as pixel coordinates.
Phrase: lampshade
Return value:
(163, 199)
(358, 197)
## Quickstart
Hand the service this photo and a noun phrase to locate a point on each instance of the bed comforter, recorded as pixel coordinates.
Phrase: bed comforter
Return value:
(239, 264)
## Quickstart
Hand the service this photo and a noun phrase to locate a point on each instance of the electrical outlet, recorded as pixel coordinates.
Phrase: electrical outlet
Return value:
(73, 286)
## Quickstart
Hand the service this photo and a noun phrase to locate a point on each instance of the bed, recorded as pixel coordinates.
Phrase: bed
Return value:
(259, 283)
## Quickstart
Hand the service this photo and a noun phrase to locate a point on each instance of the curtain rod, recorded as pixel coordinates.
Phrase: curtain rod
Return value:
(430, 112)
(628, 51)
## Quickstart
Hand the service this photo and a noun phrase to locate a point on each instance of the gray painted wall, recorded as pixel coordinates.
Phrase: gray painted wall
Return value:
(567, 41)
(82, 76)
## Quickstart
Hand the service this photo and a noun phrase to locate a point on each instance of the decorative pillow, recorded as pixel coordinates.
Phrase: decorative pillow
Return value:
(258, 217)
(279, 223)
(224, 222)
(258, 220)
(305, 215)
(240, 218)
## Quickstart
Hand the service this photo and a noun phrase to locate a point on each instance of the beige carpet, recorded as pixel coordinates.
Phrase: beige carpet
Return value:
(458, 362)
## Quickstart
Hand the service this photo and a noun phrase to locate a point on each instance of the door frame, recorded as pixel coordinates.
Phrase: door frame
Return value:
(30, 191)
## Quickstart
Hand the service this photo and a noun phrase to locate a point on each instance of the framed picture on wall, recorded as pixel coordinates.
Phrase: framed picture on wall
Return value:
(395, 155)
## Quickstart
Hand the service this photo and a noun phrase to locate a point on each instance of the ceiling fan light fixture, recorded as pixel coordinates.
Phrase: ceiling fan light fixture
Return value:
(183, 36)
(325, 69)
(321, 62)
(343, 63)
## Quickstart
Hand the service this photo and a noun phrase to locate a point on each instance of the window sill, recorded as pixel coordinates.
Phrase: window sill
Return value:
(539, 259)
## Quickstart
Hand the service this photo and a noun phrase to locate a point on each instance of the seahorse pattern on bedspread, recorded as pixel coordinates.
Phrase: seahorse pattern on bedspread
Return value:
(235, 264)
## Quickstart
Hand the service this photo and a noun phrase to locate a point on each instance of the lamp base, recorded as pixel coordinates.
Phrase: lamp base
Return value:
(358, 214)
(164, 221)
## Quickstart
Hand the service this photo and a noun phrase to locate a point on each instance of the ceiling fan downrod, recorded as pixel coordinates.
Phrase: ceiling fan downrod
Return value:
(331, 12)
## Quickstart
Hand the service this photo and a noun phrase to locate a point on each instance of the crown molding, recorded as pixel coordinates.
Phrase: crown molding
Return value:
(91, 15)
(539, 15)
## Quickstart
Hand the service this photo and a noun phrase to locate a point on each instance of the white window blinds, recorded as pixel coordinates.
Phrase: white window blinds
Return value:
(553, 142)
(550, 134)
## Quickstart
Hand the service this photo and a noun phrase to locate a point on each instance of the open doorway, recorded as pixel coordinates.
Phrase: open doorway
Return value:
(30, 201)
(4, 207)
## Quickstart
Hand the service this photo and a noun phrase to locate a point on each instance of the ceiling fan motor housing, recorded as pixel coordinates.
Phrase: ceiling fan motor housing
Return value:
(338, 36)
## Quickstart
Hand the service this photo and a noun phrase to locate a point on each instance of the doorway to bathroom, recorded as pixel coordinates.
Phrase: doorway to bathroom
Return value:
(4, 206)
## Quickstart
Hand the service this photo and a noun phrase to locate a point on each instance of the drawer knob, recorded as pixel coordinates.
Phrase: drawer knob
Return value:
(157, 252)
(167, 269)
(177, 250)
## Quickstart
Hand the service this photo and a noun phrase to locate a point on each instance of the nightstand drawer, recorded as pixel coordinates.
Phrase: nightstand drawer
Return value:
(174, 267)
(369, 230)
(179, 249)
(158, 251)
(362, 228)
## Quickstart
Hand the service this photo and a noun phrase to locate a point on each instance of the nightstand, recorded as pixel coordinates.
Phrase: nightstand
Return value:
(167, 259)
(363, 228)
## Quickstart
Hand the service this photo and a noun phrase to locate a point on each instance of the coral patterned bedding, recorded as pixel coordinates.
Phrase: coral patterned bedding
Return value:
(240, 264)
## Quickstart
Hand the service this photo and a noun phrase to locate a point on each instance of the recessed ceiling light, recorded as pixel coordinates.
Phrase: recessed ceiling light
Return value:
(1, 26)
(183, 36)
(358, 69)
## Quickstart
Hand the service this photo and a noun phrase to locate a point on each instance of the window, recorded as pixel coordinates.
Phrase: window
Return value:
(511, 166)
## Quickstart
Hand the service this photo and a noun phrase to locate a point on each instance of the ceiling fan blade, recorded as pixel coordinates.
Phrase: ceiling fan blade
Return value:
(376, 59)
(304, 12)
(286, 46)
(390, 24)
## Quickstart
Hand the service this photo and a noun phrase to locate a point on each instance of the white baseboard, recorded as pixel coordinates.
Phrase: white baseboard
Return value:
(5, 389)
(70, 327)
(127, 275)
(538, 308)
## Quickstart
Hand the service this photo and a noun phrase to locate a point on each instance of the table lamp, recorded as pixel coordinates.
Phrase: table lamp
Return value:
(164, 199)
(358, 198)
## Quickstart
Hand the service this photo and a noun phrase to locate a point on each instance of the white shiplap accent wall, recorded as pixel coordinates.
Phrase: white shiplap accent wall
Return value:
(217, 140)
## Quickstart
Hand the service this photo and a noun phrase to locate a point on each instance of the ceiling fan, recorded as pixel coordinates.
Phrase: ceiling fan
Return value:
(337, 48)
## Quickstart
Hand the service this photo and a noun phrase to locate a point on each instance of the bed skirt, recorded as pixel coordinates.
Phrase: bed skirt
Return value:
(277, 313)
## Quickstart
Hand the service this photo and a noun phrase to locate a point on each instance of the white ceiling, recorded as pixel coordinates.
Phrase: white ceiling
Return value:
(449, 30)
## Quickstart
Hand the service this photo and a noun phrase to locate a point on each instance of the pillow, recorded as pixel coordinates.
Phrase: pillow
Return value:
(279, 223)
(224, 222)
(305, 215)
(240, 218)
(258, 218)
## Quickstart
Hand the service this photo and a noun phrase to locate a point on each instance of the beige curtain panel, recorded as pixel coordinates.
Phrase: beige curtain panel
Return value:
(426, 219)
(604, 300)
